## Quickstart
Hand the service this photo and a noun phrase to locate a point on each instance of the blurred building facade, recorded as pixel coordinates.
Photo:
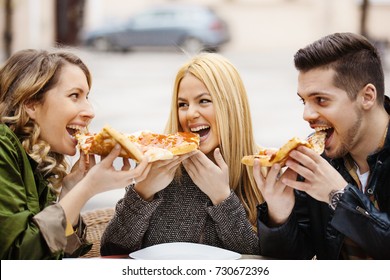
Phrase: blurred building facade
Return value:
(255, 24)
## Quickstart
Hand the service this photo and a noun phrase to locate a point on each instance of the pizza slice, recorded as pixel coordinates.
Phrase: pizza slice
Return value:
(103, 142)
(135, 146)
(165, 146)
(315, 141)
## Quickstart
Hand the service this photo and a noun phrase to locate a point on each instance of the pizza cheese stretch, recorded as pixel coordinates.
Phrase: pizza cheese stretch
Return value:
(316, 141)
(135, 146)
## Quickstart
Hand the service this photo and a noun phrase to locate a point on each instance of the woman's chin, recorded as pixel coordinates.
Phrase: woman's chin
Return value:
(208, 150)
(204, 148)
(208, 144)
(69, 151)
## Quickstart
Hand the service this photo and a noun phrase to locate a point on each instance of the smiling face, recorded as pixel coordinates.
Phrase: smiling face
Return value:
(64, 110)
(329, 108)
(196, 112)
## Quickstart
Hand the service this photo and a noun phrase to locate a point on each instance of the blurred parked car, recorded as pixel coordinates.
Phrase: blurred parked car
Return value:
(191, 28)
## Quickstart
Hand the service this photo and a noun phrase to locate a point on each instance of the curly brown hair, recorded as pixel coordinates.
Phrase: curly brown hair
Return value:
(24, 78)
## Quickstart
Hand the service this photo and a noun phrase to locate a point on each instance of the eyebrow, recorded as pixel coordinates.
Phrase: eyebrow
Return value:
(76, 88)
(80, 90)
(196, 97)
(313, 94)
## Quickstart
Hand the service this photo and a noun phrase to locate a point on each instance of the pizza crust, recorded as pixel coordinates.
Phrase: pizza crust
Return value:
(184, 149)
(127, 145)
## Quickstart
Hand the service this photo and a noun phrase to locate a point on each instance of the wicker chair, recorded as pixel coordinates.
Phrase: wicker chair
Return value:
(96, 222)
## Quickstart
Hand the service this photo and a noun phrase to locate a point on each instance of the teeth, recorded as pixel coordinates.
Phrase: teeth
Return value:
(322, 128)
(196, 129)
(78, 128)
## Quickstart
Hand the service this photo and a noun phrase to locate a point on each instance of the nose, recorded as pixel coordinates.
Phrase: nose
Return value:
(309, 113)
(87, 111)
(192, 112)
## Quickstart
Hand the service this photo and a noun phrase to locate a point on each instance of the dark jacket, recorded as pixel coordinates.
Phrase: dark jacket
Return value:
(313, 229)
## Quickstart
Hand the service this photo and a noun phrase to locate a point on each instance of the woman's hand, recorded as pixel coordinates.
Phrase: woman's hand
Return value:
(77, 173)
(211, 178)
(160, 176)
(104, 177)
(100, 178)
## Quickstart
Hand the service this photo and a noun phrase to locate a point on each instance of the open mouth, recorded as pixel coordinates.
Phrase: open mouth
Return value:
(329, 132)
(201, 130)
(74, 129)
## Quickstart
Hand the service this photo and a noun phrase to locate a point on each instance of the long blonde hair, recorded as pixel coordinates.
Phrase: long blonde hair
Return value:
(24, 78)
(233, 121)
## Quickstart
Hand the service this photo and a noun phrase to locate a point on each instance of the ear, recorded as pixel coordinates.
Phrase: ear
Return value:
(31, 109)
(368, 96)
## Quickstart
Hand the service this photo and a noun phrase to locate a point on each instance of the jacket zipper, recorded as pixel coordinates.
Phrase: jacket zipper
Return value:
(362, 211)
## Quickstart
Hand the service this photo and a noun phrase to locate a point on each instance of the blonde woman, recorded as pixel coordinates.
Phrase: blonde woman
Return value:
(43, 101)
(208, 197)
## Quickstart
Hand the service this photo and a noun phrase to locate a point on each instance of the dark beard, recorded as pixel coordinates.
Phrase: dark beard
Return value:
(350, 140)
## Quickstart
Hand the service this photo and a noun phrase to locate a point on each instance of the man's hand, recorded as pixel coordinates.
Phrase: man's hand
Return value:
(320, 177)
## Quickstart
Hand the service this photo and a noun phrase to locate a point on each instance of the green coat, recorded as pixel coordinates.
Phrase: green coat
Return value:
(23, 194)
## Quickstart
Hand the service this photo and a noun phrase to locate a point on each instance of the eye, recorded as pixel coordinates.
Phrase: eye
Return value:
(74, 95)
(321, 100)
(204, 101)
(182, 104)
(302, 100)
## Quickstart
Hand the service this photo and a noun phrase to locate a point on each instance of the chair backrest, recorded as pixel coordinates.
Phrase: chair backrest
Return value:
(96, 222)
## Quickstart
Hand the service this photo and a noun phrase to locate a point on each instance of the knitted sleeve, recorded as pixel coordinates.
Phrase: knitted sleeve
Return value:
(125, 231)
(233, 227)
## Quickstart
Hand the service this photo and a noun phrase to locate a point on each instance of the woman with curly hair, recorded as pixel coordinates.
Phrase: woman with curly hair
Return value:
(43, 102)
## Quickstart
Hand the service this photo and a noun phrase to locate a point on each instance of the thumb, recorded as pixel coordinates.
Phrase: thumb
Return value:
(81, 163)
(112, 155)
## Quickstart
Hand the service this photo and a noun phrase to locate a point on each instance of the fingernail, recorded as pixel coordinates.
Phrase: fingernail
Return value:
(117, 146)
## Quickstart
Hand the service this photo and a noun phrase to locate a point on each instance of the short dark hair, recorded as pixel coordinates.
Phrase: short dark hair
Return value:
(354, 59)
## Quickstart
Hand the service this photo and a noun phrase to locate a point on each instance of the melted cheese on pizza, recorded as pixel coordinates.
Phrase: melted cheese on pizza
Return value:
(155, 146)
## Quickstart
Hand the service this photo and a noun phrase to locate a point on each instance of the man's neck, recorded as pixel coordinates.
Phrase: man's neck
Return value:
(372, 139)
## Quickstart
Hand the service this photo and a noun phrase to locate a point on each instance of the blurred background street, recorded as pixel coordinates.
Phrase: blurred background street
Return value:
(131, 90)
